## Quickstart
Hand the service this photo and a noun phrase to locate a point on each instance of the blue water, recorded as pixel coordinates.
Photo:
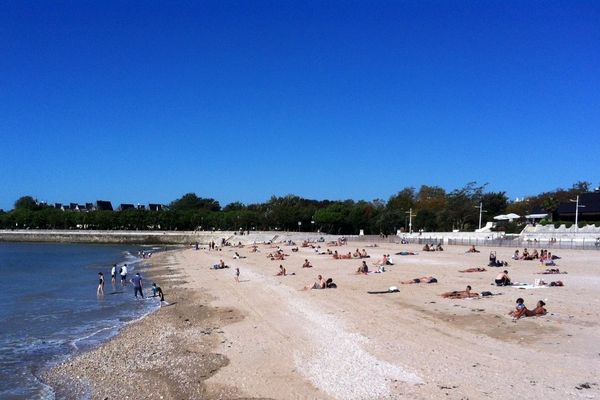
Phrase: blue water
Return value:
(50, 311)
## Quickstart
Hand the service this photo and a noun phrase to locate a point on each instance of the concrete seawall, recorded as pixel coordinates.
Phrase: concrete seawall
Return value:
(150, 237)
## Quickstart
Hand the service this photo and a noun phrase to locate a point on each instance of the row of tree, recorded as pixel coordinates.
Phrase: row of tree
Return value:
(430, 208)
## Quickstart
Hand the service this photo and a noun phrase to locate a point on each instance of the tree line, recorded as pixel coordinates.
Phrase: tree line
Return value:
(430, 208)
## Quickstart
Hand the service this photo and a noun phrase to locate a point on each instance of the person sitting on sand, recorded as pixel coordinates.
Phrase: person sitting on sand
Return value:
(477, 269)
(520, 309)
(426, 247)
(472, 250)
(423, 279)
(336, 256)
(535, 255)
(306, 264)
(363, 269)
(389, 260)
(516, 255)
(282, 271)
(319, 284)
(502, 279)
(383, 261)
(538, 310)
(439, 247)
(460, 294)
(363, 254)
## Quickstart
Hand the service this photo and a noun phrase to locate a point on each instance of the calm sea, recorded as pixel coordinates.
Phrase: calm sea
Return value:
(50, 311)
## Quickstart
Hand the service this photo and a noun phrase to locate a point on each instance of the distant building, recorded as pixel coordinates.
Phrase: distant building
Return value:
(155, 207)
(141, 207)
(126, 206)
(58, 206)
(103, 205)
(589, 208)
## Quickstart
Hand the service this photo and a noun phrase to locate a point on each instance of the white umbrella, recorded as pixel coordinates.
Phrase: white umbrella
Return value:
(500, 217)
(536, 216)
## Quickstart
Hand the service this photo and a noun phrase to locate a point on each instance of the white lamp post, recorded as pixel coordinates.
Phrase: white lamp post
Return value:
(576, 201)
(481, 210)
(410, 215)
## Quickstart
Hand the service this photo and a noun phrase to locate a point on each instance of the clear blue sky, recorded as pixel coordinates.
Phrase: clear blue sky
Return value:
(144, 101)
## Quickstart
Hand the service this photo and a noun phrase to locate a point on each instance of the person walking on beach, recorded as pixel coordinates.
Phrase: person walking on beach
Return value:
(113, 274)
(138, 287)
(124, 274)
(237, 275)
(100, 290)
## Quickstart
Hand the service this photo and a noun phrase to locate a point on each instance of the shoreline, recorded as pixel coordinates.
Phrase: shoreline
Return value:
(265, 338)
(149, 341)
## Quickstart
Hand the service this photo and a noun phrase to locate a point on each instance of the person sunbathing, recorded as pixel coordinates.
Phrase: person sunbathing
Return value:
(363, 254)
(306, 264)
(538, 310)
(319, 284)
(460, 294)
(423, 279)
(383, 261)
(406, 253)
(472, 250)
(551, 271)
(336, 256)
(520, 309)
(346, 256)
(282, 271)
(363, 269)
(478, 269)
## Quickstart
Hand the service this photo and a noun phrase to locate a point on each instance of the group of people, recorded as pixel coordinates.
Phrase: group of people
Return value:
(137, 281)
(433, 247)
(522, 311)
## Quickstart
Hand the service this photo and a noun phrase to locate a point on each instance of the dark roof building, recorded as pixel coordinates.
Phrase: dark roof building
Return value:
(155, 207)
(126, 206)
(103, 205)
(589, 208)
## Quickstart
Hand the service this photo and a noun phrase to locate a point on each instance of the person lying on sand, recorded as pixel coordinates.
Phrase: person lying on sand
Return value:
(478, 269)
(538, 310)
(363, 269)
(319, 284)
(472, 250)
(460, 294)
(551, 271)
(553, 283)
(423, 279)
(306, 264)
(406, 253)
(237, 256)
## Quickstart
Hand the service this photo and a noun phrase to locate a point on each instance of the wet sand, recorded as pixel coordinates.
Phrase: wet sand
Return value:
(265, 338)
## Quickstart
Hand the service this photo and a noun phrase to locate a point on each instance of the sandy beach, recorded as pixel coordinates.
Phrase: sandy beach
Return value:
(265, 338)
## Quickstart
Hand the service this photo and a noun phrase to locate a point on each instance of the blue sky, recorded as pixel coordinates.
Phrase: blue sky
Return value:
(142, 101)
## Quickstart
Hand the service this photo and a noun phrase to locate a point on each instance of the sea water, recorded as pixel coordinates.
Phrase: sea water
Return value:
(50, 310)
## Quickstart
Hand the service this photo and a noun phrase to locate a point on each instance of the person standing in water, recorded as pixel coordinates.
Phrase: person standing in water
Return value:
(100, 290)
(124, 274)
(137, 285)
(113, 274)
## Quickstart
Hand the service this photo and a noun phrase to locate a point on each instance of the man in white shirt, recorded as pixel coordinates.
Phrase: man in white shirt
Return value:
(124, 274)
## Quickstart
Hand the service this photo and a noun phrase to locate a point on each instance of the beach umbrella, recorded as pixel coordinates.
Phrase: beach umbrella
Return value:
(500, 217)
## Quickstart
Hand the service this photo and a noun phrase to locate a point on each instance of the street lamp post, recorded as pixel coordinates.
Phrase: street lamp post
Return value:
(481, 211)
(576, 201)
(410, 215)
